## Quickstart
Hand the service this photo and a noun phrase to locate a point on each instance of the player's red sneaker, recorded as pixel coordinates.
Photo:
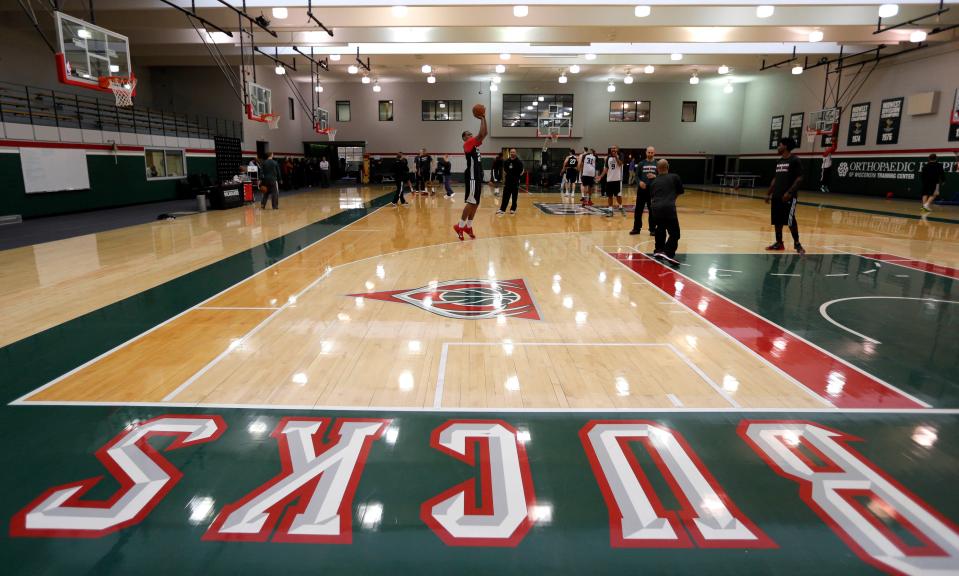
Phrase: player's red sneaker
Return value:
(458, 230)
(469, 230)
(777, 246)
(589, 202)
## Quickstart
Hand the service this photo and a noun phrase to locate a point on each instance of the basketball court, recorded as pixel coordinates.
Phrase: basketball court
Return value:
(343, 384)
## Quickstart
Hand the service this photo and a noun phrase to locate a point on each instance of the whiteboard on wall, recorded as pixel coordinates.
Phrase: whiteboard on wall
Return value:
(54, 169)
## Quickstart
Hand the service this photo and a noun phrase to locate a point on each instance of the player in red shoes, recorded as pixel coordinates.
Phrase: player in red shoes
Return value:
(782, 195)
(473, 174)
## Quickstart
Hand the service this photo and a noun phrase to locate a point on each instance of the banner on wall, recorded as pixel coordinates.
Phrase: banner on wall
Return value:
(796, 126)
(954, 119)
(775, 131)
(858, 124)
(890, 117)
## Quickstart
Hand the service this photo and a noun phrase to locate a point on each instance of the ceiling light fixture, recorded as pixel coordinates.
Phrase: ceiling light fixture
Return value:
(335, 57)
(642, 11)
(352, 69)
(280, 13)
(918, 36)
(505, 56)
(815, 36)
(797, 70)
(675, 57)
(280, 70)
(574, 69)
(493, 88)
(399, 11)
(611, 87)
(318, 88)
(723, 70)
(628, 79)
(431, 79)
(649, 69)
(521, 11)
(426, 69)
(694, 79)
(589, 56)
(376, 86)
(562, 78)
(728, 89)
(365, 79)
(500, 69)
(497, 79)
(765, 11)
(888, 10)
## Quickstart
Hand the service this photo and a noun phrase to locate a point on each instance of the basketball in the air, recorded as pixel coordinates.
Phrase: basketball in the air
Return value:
(479, 111)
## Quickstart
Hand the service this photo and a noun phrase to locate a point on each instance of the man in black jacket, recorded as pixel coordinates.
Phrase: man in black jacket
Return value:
(512, 171)
(401, 175)
(932, 176)
(663, 191)
(444, 168)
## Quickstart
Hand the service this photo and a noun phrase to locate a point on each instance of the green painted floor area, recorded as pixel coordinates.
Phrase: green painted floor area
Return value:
(51, 446)
(918, 349)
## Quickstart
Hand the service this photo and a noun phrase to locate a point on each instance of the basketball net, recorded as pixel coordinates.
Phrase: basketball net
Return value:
(122, 88)
(273, 120)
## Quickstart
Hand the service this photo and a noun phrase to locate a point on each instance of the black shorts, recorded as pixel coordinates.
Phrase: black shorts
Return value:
(782, 213)
(613, 189)
(572, 175)
(589, 180)
(474, 188)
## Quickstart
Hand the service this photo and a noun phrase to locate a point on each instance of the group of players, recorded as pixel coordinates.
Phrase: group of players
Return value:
(657, 188)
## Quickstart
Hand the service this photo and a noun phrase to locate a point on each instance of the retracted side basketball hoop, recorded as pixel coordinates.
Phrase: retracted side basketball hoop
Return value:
(822, 122)
(122, 88)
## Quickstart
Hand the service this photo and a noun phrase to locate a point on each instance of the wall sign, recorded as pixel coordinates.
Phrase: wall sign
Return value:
(890, 117)
(795, 126)
(775, 131)
(858, 124)
(954, 120)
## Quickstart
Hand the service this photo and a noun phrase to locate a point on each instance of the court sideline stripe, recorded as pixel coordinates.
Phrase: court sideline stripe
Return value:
(122, 345)
(795, 336)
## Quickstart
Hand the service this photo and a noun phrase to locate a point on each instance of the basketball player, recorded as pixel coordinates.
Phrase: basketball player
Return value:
(826, 174)
(269, 179)
(512, 172)
(445, 168)
(782, 194)
(473, 176)
(613, 190)
(570, 173)
(647, 173)
(587, 168)
(932, 176)
(401, 175)
(423, 165)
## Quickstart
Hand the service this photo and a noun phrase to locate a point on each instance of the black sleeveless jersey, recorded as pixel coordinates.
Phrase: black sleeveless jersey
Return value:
(572, 162)
(474, 164)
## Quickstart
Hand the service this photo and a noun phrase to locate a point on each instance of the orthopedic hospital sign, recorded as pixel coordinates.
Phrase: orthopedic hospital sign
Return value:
(880, 175)
(656, 489)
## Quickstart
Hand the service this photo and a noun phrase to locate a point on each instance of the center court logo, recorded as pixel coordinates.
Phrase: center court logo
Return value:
(843, 169)
(467, 299)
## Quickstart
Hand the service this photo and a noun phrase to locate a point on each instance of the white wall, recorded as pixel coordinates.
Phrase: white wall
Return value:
(779, 92)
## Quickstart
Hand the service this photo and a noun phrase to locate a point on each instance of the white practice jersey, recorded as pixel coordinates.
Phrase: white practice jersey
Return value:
(589, 165)
(614, 169)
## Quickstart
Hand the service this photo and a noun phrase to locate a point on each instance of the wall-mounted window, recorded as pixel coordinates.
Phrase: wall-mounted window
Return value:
(689, 111)
(442, 110)
(292, 109)
(525, 110)
(342, 110)
(629, 110)
(386, 110)
(163, 163)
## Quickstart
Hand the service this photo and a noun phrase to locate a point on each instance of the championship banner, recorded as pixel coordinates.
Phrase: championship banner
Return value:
(775, 131)
(954, 119)
(890, 117)
(858, 124)
(796, 126)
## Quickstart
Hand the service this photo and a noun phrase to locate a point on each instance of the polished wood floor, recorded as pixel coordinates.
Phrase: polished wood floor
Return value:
(292, 336)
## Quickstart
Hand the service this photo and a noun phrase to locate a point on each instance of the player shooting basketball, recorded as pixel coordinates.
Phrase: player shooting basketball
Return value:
(474, 173)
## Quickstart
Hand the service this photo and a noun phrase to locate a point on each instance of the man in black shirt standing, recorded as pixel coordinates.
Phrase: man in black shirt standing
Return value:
(269, 181)
(663, 191)
(401, 175)
(512, 171)
(932, 176)
(782, 195)
(423, 165)
(646, 174)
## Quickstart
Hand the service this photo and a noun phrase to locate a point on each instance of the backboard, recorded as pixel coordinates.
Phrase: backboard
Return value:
(554, 121)
(259, 101)
(321, 119)
(88, 53)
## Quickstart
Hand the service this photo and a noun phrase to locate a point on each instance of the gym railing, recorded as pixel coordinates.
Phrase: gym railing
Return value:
(20, 104)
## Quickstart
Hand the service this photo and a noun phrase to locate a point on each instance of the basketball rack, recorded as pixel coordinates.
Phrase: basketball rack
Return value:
(822, 122)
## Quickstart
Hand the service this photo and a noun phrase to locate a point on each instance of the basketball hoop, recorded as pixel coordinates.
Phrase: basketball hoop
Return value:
(330, 133)
(554, 137)
(273, 120)
(811, 136)
(122, 88)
